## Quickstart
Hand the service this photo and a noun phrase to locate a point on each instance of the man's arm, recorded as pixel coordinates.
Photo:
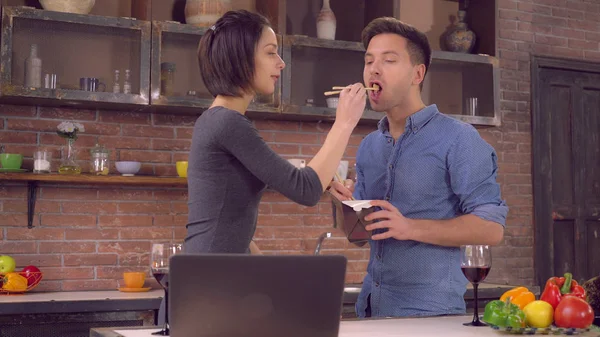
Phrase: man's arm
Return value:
(466, 229)
(472, 169)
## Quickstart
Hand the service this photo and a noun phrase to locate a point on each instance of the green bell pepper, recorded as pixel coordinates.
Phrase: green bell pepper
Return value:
(504, 314)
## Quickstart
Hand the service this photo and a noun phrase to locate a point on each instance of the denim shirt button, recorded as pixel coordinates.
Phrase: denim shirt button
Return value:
(387, 198)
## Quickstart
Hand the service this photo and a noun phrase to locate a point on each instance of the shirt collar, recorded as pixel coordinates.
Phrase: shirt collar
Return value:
(414, 122)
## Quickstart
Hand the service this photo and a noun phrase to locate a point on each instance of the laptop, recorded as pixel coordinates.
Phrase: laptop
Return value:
(241, 295)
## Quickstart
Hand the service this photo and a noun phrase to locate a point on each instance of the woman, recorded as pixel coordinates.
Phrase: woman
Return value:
(229, 163)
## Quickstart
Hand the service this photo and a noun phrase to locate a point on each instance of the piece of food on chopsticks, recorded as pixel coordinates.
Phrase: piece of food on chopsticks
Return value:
(338, 89)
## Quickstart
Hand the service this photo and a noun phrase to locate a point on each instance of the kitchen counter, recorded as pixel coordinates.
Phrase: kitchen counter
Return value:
(447, 326)
(114, 300)
(80, 301)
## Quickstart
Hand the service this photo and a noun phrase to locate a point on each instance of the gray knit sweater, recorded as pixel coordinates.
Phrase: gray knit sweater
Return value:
(229, 167)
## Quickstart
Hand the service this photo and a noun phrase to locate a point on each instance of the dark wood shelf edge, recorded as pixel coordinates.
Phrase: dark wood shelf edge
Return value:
(93, 179)
(477, 120)
(464, 57)
(307, 41)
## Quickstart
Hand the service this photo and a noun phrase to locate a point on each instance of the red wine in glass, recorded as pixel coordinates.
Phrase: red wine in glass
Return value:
(162, 277)
(475, 274)
(475, 263)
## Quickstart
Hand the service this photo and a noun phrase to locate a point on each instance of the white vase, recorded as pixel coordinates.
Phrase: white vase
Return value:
(326, 22)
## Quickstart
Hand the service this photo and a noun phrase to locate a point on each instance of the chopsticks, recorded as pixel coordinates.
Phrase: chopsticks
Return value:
(337, 90)
(339, 179)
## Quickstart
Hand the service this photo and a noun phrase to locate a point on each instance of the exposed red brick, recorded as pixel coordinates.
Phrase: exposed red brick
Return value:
(124, 220)
(18, 110)
(69, 220)
(79, 285)
(171, 144)
(92, 234)
(68, 273)
(18, 137)
(89, 207)
(146, 233)
(38, 260)
(124, 247)
(36, 233)
(90, 259)
(145, 156)
(68, 114)
(175, 120)
(72, 247)
(124, 117)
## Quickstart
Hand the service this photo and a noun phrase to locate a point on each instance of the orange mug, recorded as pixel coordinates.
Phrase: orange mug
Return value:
(134, 279)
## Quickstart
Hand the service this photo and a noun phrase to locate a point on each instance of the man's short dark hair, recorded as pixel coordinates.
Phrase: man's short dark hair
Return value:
(226, 52)
(417, 43)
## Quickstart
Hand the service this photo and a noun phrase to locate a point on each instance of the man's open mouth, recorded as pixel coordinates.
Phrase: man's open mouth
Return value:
(375, 94)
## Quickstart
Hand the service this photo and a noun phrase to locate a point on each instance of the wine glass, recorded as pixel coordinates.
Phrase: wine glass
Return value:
(475, 263)
(159, 264)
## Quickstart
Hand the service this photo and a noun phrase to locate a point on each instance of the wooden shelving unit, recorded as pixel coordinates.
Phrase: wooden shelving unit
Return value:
(155, 31)
(178, 43)
(33, 180)
(73, 46)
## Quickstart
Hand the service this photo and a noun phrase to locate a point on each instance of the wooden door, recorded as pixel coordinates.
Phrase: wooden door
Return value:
(566, 168)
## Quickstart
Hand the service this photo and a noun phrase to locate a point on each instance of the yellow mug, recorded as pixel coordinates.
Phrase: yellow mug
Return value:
(134, 279)
(182, 167)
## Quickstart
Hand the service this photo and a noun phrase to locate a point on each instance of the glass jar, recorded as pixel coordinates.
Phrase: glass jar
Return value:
(167, 78)
(99, 160)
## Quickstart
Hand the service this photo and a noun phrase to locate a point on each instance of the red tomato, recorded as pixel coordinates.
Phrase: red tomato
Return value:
(32, 274)
(573, 312)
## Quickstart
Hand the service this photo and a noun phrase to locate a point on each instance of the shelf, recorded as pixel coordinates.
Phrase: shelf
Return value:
(178, 44)
(33, 179)
(438, 55)
(74, 46)
(311, 113)
(94, 179)
(477, 120)
(73, 98)
(306, 41)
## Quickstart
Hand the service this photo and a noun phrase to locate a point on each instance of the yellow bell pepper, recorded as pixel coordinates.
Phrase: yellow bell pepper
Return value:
(14, 282)
(520, 296)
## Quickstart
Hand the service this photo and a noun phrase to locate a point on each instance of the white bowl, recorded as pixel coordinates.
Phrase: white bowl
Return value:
(332, 102)
(128, 168)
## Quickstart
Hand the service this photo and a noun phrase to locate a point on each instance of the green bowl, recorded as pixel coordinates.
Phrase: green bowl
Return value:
(11, 160)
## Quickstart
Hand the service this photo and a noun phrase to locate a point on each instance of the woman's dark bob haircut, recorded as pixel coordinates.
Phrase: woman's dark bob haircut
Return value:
(226, 53)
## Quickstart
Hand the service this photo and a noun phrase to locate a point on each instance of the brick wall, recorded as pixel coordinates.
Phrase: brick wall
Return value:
(558, 28)
(85, 236)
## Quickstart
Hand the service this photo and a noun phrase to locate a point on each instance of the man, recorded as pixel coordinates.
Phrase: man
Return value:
(433, 177)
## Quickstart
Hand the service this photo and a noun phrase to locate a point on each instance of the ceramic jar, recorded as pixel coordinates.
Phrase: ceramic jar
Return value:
(69, 6)
(460, 38)
(204, 13)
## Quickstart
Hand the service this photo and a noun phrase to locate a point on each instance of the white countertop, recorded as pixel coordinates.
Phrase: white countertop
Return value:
(447, 326)
(64, 296)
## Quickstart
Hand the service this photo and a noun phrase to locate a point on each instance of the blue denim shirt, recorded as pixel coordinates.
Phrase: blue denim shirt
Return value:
(440, 168)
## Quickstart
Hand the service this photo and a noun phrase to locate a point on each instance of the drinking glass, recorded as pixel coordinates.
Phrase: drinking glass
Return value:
(475, 263)
(159, 264)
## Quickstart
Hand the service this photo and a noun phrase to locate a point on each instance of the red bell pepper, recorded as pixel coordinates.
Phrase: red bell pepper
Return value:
(557, 287)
